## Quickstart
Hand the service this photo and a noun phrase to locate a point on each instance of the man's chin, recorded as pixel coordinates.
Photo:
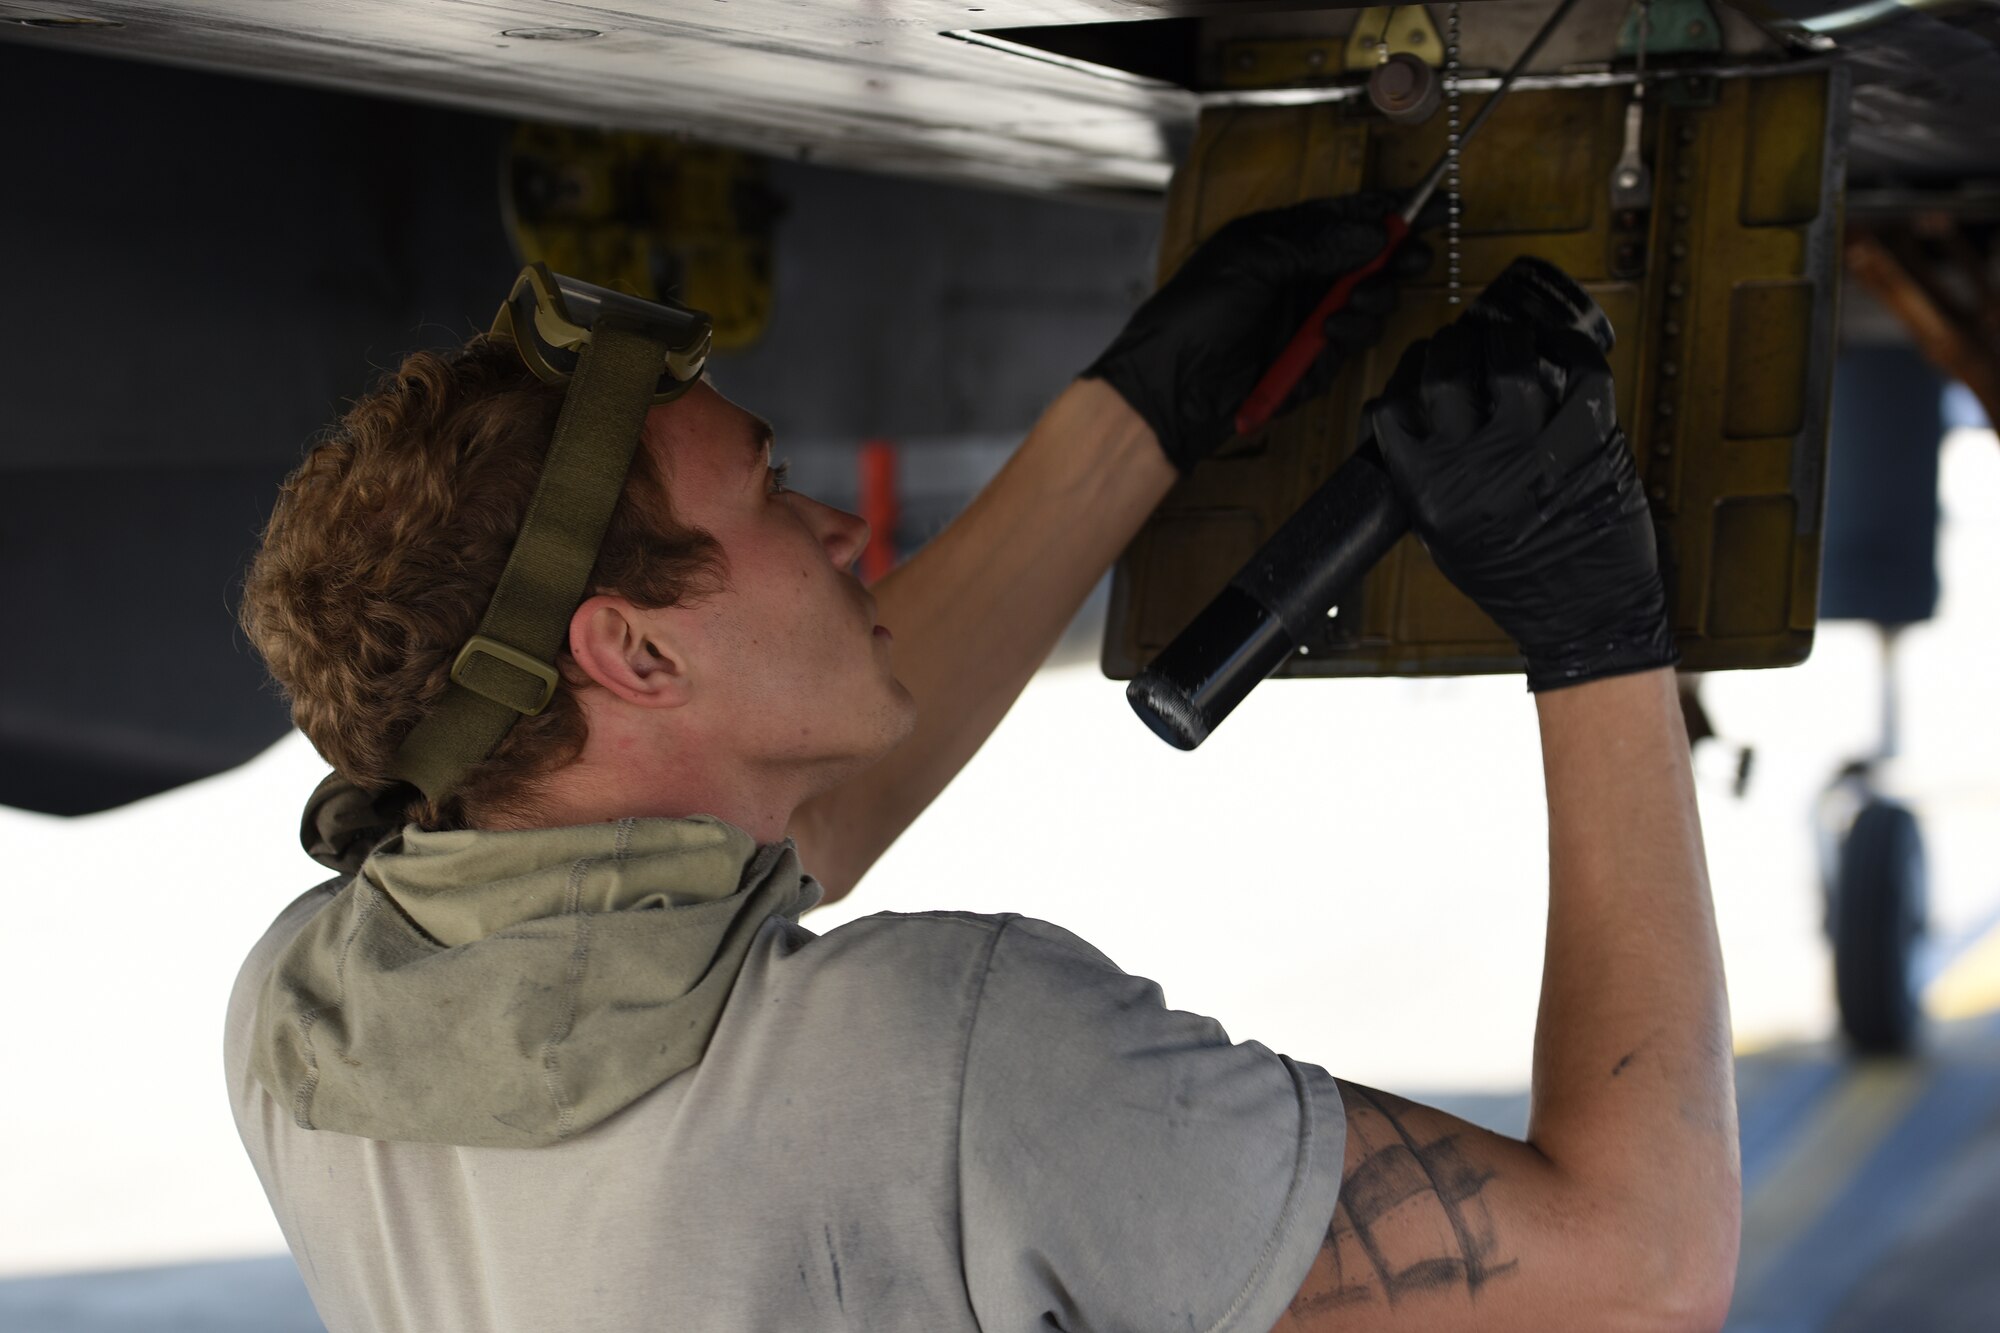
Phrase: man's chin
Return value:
(902, 721)
(903, 713)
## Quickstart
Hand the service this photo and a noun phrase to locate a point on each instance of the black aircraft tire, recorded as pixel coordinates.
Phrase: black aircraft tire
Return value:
(1878, 912)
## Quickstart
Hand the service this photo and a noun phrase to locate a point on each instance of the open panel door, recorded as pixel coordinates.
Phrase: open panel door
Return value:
(1723, 295)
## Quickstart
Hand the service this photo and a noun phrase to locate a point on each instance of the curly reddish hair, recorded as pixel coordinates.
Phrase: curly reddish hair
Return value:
(386, 545)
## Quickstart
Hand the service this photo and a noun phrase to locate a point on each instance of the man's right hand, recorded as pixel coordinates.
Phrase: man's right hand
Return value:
(1192, 353)
(1503, 439)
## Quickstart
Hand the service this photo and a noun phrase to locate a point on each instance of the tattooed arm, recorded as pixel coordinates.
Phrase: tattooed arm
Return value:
(1621, 1208)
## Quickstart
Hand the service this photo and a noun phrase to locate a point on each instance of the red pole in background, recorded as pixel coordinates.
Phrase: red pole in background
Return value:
(878, 506)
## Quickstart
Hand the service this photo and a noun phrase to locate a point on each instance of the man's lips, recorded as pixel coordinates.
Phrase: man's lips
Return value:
(882, 632)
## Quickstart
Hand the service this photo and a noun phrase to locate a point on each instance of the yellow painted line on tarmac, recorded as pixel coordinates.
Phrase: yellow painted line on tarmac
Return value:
(1756, 1043)
(1971, 985)
(1824, 1156)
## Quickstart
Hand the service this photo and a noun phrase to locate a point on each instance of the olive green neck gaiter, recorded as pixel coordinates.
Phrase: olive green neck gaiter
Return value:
(512, 989)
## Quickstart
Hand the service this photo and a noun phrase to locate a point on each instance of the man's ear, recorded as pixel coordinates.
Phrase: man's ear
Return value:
(625, 650)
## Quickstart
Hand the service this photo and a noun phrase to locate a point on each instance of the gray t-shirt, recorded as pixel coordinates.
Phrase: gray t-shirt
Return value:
(931, 1123)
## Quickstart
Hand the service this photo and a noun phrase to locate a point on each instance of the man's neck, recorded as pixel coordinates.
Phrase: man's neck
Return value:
(592, 790)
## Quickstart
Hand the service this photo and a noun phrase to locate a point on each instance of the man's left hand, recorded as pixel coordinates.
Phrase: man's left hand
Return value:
(1191, 354)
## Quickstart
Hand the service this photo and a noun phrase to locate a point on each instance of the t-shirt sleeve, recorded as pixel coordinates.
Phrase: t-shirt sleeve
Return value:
(1123, 1166)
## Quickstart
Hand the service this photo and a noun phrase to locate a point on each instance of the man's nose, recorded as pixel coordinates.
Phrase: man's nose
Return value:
(844, 535)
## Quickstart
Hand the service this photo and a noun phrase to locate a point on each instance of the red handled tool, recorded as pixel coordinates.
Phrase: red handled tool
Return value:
(1306, 345)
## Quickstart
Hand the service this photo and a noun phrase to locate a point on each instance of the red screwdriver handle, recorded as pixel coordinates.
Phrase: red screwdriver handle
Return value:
(1306, 345)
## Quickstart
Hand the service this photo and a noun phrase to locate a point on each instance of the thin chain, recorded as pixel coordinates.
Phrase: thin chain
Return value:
(1452, 272)
(1645, 40)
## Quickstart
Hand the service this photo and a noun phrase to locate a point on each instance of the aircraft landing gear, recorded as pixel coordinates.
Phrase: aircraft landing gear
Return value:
(1875, 916)
(1872, 873)
(1880, 568)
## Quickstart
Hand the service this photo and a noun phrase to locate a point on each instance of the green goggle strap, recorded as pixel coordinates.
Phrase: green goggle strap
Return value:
(506, 670)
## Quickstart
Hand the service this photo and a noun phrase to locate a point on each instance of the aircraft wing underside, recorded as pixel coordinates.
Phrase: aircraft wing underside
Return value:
(1079, 96)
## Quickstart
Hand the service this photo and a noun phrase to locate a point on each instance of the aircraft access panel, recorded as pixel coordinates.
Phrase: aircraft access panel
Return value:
(1723, 295)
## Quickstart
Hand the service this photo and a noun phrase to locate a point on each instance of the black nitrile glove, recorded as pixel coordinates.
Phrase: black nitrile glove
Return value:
(1503, 440)
(1191, 354)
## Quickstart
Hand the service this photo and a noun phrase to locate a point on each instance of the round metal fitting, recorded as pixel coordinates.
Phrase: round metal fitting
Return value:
(1404, 89)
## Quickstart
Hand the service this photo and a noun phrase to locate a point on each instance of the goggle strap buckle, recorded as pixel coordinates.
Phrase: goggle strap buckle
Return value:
(495, 670)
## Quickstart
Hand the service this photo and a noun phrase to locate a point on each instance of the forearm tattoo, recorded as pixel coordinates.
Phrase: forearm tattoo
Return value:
(1411, 1217)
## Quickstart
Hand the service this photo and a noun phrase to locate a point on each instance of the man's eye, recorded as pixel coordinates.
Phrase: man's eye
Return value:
(778, 475)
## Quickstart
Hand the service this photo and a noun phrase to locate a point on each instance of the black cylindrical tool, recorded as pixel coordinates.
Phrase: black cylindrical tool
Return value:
(1276, 600)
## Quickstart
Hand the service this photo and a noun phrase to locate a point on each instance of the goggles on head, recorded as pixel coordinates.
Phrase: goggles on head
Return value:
(619, 356)
(550, 316)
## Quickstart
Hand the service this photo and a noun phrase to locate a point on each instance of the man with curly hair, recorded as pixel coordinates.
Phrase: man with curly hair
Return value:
(552, 1050)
